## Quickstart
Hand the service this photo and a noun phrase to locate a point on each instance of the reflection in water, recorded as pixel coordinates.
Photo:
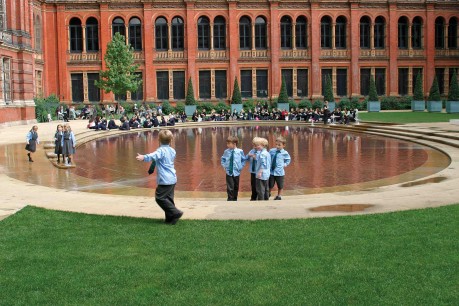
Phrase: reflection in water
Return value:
(323, 160)
(320, 157)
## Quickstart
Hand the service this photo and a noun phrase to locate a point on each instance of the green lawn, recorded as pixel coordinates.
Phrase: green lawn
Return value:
(58, 258)
(407, 117)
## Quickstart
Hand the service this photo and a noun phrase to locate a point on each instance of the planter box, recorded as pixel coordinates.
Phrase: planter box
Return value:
(237, 107)
(374, 106)
(190, 109)
(434, 106)
(452, 107)
(282, 106)
(331, 106)
(418, 106)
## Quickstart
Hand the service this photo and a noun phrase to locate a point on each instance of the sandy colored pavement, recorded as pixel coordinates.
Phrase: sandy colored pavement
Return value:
(17, 194)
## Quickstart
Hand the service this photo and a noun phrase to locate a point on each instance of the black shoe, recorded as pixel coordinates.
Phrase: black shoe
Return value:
(173, 220)
(277, 198)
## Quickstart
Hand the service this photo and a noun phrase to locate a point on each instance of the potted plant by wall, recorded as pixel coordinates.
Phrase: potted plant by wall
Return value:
(236, 99)
(373, 105)
(452, 105)
(434, 103)
(418, 104)
(282, 100)
(329, 97)
(190, 102)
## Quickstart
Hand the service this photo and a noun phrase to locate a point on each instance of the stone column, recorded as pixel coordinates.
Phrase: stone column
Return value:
(83, 29)
(315, 52)
(429, 44)
(233, 39)
(355, 51)
(275, 49)
(294, 36)
(393, 49)
(150, 80)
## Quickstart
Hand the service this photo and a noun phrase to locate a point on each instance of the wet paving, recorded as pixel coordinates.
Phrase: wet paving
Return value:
(323, 160)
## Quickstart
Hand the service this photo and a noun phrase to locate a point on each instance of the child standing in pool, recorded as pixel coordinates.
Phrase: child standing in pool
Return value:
(59, 143)
(68, 148)
(32, 141)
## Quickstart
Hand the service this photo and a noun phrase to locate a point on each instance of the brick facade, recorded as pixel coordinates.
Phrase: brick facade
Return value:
(64, 62)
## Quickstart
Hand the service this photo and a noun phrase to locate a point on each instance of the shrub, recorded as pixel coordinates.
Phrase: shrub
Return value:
(180, 107)
(305, 104)
(453, 94)
(404, 102)
(166, 107)
(317, 104)
(434, 93)
(283, 97)
(236, 98)
(355, 103)
(345, 103)
(205, 105)
(221, 106)
(389, 103)
(418, 93)
(249, 104)
(363, 104)
(128, 107)
(292, 104)
(373, 94)
(189, 100)
(328, 95)
(45, 106)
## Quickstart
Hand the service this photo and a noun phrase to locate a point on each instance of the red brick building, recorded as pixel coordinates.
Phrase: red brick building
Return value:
(257, 42)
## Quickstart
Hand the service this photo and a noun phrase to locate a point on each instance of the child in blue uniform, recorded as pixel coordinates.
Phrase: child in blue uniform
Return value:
(262, 168)
(252, 157)
(279, 160)
(233, 160)
(163, 158)
(32, 141)
(59, 143)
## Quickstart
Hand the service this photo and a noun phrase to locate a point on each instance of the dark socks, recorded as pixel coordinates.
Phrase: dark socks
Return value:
(30, 158)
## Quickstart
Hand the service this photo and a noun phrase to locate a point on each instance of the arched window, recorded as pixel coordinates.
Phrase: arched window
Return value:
(37, 32)
(135, 34)
(416, 33)
(161, 34)
(245, 33)
(219, 33)
(365, 32)
(286, 32)
(76, 35)
(403, 33)
(452, 33)
(203, 33)
(340, 32)
(177, 34)
(325, 33)
(118, 26)
(92, 35)
(380, 33)
(439, 33)
(301, 32)
(260, 33)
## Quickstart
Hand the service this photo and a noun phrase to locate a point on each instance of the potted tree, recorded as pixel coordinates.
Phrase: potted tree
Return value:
(418, 104)
(373, 105)
(282, 100)
(236, 99)
(434, 103)
(452, 105)
(190, 102)
(329, 94)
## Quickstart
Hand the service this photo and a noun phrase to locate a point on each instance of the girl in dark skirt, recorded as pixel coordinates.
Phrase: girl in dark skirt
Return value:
(59, 143)
(32, 141)
(68, 149)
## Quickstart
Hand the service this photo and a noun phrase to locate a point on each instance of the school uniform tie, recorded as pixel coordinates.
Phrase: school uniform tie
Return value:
(273, 162)
(231, 165)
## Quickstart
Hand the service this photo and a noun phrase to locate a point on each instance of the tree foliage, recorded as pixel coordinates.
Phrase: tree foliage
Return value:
(418, 92)
(328, 90)
(236, 98)
(283, 96)
(45, 106)
(190, 100)
(453, 94)
(373, 94)
(119, 76)
(434, 93)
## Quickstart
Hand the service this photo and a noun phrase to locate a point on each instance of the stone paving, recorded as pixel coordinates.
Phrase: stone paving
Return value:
(436, 190)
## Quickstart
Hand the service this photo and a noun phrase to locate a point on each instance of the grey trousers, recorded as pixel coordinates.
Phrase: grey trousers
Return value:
(232, 187)
(262, 189)
(164, 196)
